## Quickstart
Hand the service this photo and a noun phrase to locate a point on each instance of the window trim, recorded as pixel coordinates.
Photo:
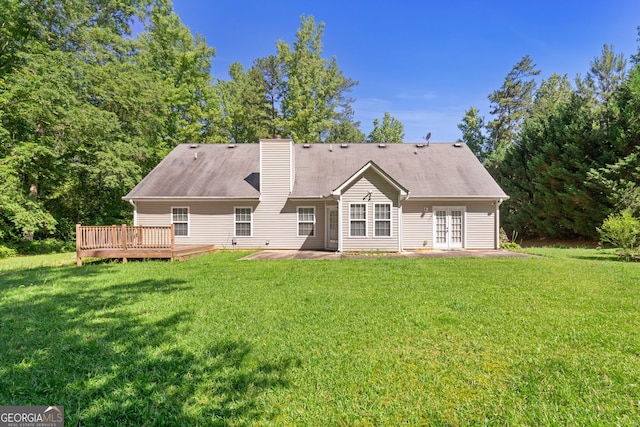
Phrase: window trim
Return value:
(298, 221)
(389, 220)
(236, 222)
(365, 220)
(188, 221)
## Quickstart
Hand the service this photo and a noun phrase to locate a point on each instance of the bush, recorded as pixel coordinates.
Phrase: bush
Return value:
(6, 252)
(509, 244)
(621, 230)
(45, 246)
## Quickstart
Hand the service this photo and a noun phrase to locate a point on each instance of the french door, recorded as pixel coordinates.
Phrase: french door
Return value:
(448, 227)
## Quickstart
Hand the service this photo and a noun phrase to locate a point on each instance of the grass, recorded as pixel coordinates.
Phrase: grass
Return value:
(551, 340)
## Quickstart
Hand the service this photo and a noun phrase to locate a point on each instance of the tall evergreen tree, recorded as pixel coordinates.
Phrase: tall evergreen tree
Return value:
(509, 106)
(271, 71)
(619, 180)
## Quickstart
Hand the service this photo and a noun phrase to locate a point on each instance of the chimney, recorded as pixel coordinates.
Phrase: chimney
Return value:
(277, 167)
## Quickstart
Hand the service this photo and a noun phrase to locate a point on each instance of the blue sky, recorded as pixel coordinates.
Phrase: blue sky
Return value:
(424, 62)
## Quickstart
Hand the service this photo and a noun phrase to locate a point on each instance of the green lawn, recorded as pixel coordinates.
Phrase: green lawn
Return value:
(551, 340)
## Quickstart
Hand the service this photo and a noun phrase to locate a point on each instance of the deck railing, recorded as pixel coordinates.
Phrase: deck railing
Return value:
(124, 237)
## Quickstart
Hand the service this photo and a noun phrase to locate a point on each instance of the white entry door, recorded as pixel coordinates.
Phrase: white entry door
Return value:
(448, 227)
(332, 229)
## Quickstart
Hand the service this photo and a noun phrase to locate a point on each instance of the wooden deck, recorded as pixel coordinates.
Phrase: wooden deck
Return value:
(137, 242)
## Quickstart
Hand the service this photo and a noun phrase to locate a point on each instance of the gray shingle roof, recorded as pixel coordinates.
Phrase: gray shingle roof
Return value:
(438, 171)
(217, 171)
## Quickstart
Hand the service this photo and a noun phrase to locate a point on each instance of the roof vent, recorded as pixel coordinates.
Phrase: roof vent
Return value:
(457, 144)
(306, 145)
(193, 146)
(344, 146)
(232, 146)
(382, 145)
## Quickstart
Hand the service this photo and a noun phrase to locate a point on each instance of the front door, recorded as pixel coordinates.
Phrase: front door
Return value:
(448, 228)
(332, 229)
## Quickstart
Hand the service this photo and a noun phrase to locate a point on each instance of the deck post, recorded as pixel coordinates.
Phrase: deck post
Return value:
(78, 237)
(124, 243)
(114, 237)
(173, 240)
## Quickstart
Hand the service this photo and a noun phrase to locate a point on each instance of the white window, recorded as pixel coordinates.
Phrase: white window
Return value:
(382, 219)
(358, 220)
(180, 221)
(306, 222)
(242, 222)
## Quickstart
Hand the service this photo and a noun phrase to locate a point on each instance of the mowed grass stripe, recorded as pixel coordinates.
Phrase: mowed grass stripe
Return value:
(216, 341)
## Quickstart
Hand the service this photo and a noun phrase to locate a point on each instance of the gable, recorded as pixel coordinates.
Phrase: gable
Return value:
(371, 169)
(370, 187)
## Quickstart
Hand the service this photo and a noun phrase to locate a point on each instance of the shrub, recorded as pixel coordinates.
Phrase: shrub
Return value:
(509, 244)
(621, 230)
(45, 246)
(6, 252)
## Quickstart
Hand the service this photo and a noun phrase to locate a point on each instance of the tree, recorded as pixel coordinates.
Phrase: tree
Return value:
(246, 109)
(619, 179)
(606, 73)
(510, 105)
(86, 110)
(472, 128)
(390, 130)
(346, 131)
(183, 64)
(271, 70)
(313, 88)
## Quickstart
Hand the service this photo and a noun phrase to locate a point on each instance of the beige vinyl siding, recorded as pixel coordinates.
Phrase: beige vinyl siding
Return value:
(274, 221)
(417, 224)
(381, 192)
(276, 217)
(479, 223)
(212, 222)
(278, 224)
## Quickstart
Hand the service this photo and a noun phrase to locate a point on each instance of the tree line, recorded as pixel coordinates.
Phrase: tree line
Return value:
(566, 151)
(87, 107)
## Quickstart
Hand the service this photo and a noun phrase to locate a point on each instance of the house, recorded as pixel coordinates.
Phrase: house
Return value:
(337, 197)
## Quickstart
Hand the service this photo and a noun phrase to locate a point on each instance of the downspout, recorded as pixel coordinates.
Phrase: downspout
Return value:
(399, 221)
(340, 224)
(497, 226)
